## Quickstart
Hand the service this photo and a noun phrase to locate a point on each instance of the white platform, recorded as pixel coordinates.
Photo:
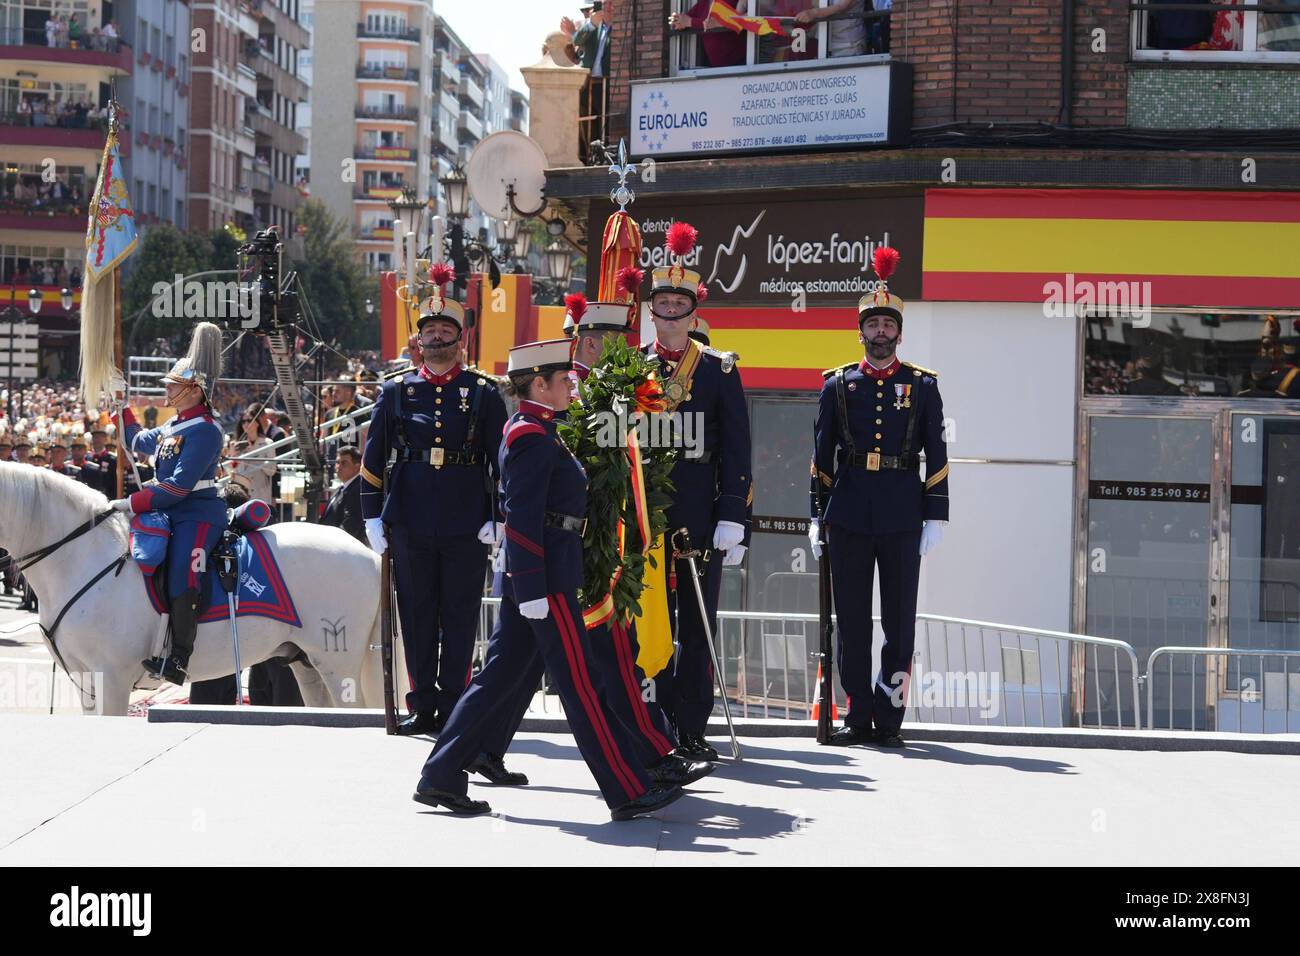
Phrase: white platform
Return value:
(114, 790)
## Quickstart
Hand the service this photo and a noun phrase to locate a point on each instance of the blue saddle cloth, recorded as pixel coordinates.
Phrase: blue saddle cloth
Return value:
(262, 591)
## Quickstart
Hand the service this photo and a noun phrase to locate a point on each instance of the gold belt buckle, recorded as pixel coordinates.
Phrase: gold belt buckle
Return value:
(873, 461)
(437, 457)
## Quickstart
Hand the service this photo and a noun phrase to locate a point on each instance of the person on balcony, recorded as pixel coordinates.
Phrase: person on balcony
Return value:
(722, 47)
(847, 31)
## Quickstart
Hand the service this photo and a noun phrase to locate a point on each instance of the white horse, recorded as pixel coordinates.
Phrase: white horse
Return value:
(108, 631)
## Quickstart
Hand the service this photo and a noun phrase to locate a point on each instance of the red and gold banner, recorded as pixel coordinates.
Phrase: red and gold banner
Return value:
(620, 247)
(1213, 249)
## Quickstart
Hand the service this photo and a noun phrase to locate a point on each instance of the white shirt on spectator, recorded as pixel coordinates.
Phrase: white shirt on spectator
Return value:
(848, 37)
(258, 474)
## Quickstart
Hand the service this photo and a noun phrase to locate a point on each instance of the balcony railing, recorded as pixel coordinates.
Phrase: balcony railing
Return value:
(380, 191)
(469, 90)
(376, 233)
(260, 181)
(366, 72)
(400, 153)
(40, 118)
(388, 112)
(380, 33)
(58, 215)
(35, 36)
(471, 124)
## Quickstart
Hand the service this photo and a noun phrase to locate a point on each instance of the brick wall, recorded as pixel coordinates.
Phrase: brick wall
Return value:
(974, 61)
(640, 51)
(1100, 86)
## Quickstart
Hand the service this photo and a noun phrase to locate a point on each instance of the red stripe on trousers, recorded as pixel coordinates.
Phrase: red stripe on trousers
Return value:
(587, 695)
(623, 645)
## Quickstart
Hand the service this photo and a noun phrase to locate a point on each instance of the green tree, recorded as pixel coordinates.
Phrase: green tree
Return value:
(334, 279)
(164, 253)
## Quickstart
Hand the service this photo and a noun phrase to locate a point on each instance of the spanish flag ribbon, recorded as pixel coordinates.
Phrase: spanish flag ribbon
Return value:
(734, 20)
(601, 611)
(654, 629)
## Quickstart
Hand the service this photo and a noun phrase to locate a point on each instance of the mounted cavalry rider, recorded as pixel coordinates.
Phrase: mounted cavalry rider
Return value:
(186, 450)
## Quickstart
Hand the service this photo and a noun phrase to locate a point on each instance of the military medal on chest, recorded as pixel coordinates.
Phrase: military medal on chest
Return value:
(903, 395)
(464, 399)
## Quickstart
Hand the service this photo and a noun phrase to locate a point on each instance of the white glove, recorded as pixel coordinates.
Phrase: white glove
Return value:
(814, 537)
(499, 560)
(931, 535)
(734, 556)
(535, 610)
(116, 384)
(375, 535)
(121, 504)
(727, 535)
(491, 532)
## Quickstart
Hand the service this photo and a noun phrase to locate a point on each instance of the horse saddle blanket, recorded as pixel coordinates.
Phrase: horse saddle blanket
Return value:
(261, 591)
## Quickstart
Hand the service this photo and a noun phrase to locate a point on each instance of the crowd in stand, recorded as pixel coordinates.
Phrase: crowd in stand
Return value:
(57, 111)
(30, 193)
(67, 31)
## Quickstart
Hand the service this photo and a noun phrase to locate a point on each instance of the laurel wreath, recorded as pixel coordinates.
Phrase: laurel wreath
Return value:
(624, 382)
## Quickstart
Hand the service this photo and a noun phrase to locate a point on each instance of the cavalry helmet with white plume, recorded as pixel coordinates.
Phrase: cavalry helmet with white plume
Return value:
(202, 366)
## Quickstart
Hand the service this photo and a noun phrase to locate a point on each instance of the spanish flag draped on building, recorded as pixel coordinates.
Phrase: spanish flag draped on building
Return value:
(110, 238)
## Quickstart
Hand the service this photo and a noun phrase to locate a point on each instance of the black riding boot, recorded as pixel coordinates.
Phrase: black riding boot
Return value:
(185, 626)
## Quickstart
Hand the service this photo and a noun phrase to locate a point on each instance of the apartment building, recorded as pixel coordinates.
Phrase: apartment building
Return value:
(54, 85)
(244, 116)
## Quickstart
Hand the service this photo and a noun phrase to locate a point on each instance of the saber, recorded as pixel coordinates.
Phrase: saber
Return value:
(228, 573)
(825, 626)
(690, 554)
(386, 637)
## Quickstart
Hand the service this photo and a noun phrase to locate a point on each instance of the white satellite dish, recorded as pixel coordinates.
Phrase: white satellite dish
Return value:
(505, 159)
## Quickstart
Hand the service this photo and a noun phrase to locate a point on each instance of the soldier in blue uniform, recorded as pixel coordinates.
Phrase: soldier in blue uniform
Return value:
(186, 449)
(100, 469)
(713, 489)
(873, 418)
(614, 649)
(441, 423)
(544, 499)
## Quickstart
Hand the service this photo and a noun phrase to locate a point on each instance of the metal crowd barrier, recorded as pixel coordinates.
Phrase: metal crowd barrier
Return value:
(1253, 697)
(1019, 691)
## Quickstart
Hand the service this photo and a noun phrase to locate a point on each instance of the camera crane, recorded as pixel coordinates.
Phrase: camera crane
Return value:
(275, 314)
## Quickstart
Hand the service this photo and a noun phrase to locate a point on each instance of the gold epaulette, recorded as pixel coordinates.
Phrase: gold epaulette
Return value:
(827, 373)
(484, 374)
(399, 373)
(922, 369)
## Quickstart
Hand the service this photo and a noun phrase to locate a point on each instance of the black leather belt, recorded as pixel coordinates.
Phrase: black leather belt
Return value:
(439, 456)
(874, 461)
(565, 522)
(704, 458)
